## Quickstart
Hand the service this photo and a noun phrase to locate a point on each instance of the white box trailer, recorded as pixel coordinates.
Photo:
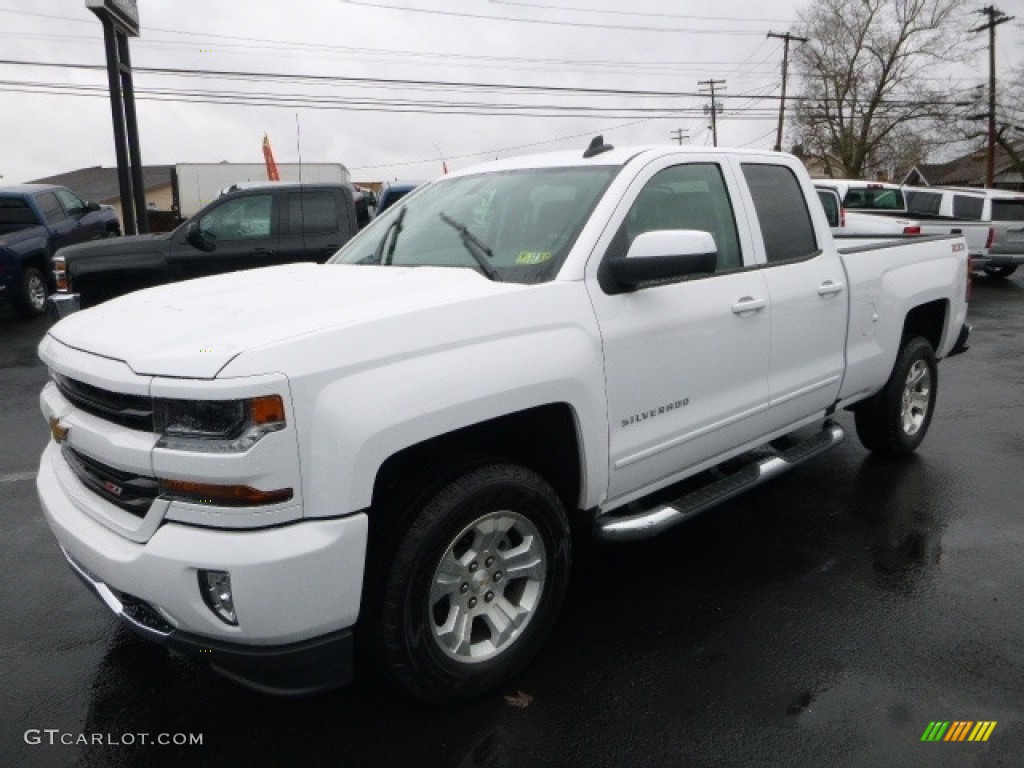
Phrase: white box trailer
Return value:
(196, 184)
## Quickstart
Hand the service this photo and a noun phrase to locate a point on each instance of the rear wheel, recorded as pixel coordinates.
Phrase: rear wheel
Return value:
(30, 301)
(1002, 272)
(895, 421)
(473, 585)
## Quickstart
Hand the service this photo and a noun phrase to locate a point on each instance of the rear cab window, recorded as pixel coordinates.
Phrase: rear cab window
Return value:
(786, 224)
(874, 197)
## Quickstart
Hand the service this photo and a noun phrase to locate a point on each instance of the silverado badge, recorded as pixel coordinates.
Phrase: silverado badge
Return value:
(59, 432)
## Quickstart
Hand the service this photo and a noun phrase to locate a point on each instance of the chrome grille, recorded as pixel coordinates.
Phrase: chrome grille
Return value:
(132, 493)
(132, 411)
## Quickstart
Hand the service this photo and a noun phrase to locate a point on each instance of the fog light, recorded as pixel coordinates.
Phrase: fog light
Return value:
(215, 587)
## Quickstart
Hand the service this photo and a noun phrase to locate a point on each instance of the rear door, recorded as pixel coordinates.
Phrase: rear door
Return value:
(317, 222)
(685, 361)
(808, 294)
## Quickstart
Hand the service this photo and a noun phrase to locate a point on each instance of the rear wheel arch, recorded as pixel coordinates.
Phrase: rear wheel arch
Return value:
(927, 321)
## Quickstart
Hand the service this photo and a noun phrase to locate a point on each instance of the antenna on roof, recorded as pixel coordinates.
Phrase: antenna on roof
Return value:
(298, 144)
(597, 146)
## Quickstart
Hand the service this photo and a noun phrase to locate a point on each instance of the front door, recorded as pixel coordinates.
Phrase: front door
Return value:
(243, 235)
(686, 362)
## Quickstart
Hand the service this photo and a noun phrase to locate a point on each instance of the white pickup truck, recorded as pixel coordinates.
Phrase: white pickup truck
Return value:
(255, 469)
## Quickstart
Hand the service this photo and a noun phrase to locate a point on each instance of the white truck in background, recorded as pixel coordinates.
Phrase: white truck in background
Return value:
(196, 185)
(844, 223)
(884, 200)
(254, 469)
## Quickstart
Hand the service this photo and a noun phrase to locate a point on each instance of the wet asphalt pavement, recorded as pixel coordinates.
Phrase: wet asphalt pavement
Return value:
(823, 620)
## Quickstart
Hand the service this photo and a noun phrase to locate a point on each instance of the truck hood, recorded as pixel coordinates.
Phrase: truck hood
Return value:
(193, 329)
(113, 245)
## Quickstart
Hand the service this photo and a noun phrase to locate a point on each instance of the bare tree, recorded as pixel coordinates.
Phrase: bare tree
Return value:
(868, 79)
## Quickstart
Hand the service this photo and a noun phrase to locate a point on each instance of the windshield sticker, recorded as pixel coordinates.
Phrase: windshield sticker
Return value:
(533, 257)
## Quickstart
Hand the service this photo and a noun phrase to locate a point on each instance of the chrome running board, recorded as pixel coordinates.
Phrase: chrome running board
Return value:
(654, 519)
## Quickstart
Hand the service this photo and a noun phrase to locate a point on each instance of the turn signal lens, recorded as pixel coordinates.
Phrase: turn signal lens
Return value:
(221, 495)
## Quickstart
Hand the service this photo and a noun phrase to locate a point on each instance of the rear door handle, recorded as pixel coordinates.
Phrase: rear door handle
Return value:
(748, 304)
(828, 288)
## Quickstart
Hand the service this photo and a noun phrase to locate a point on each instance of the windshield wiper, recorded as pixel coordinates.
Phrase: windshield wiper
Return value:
(379, 257)
(476, 247)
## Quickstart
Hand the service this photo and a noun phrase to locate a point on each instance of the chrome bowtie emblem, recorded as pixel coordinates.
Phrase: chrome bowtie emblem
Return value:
(59, 432)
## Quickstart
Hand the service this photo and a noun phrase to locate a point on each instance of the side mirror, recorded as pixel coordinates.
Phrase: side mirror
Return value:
(195, 237)
(91, 206)
(664, 255)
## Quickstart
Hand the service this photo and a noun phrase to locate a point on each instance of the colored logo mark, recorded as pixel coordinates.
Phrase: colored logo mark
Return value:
(958, 730)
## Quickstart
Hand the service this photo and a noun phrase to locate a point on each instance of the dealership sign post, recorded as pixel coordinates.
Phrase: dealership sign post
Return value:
(120, 21)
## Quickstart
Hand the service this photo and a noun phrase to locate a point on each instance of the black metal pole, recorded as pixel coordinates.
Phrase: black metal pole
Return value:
(120, 143)
(132, 127)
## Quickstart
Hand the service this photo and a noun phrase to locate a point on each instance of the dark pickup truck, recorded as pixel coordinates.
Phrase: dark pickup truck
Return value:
(254, 226)
(36, 220)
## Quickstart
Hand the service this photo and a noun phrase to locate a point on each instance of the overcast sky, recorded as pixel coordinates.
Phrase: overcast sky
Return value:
(57, 118)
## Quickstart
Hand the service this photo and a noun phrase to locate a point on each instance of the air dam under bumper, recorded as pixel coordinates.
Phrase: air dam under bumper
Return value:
(296, 669)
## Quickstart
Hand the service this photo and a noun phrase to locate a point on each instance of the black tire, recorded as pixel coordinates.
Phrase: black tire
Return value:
(895, 421)
(30, 300)
(1000, 272)
(489, 517)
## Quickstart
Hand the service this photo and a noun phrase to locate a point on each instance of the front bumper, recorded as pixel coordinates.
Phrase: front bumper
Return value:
(60, 305)
(296, 587)
(296, 669)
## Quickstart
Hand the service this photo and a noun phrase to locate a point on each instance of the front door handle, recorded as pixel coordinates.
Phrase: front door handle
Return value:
(748, 304)
(828, 288)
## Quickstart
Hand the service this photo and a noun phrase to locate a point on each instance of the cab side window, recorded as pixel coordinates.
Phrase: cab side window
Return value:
(72, 203)
(50, 207)
(781, 208)
(691, 196)
(243, 218)
(312, 213)
(968, 207)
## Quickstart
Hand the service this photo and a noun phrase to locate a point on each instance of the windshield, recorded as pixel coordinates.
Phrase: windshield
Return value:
(512, 226)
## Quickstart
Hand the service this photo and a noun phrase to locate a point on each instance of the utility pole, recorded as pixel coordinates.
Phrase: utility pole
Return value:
(711, 85)
(785, 71)
(995, 18)
(679, 135)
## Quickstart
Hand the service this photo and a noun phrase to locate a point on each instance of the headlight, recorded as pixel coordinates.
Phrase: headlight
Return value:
(217, 426)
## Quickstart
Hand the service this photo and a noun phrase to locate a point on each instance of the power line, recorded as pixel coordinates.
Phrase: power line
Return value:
(580, 24)
(447, 85)
(638, 13)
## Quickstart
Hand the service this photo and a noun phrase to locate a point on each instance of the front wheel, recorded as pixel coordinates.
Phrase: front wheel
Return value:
(30, 301)
(895, 421)
(474, 585)
(1000, 272)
